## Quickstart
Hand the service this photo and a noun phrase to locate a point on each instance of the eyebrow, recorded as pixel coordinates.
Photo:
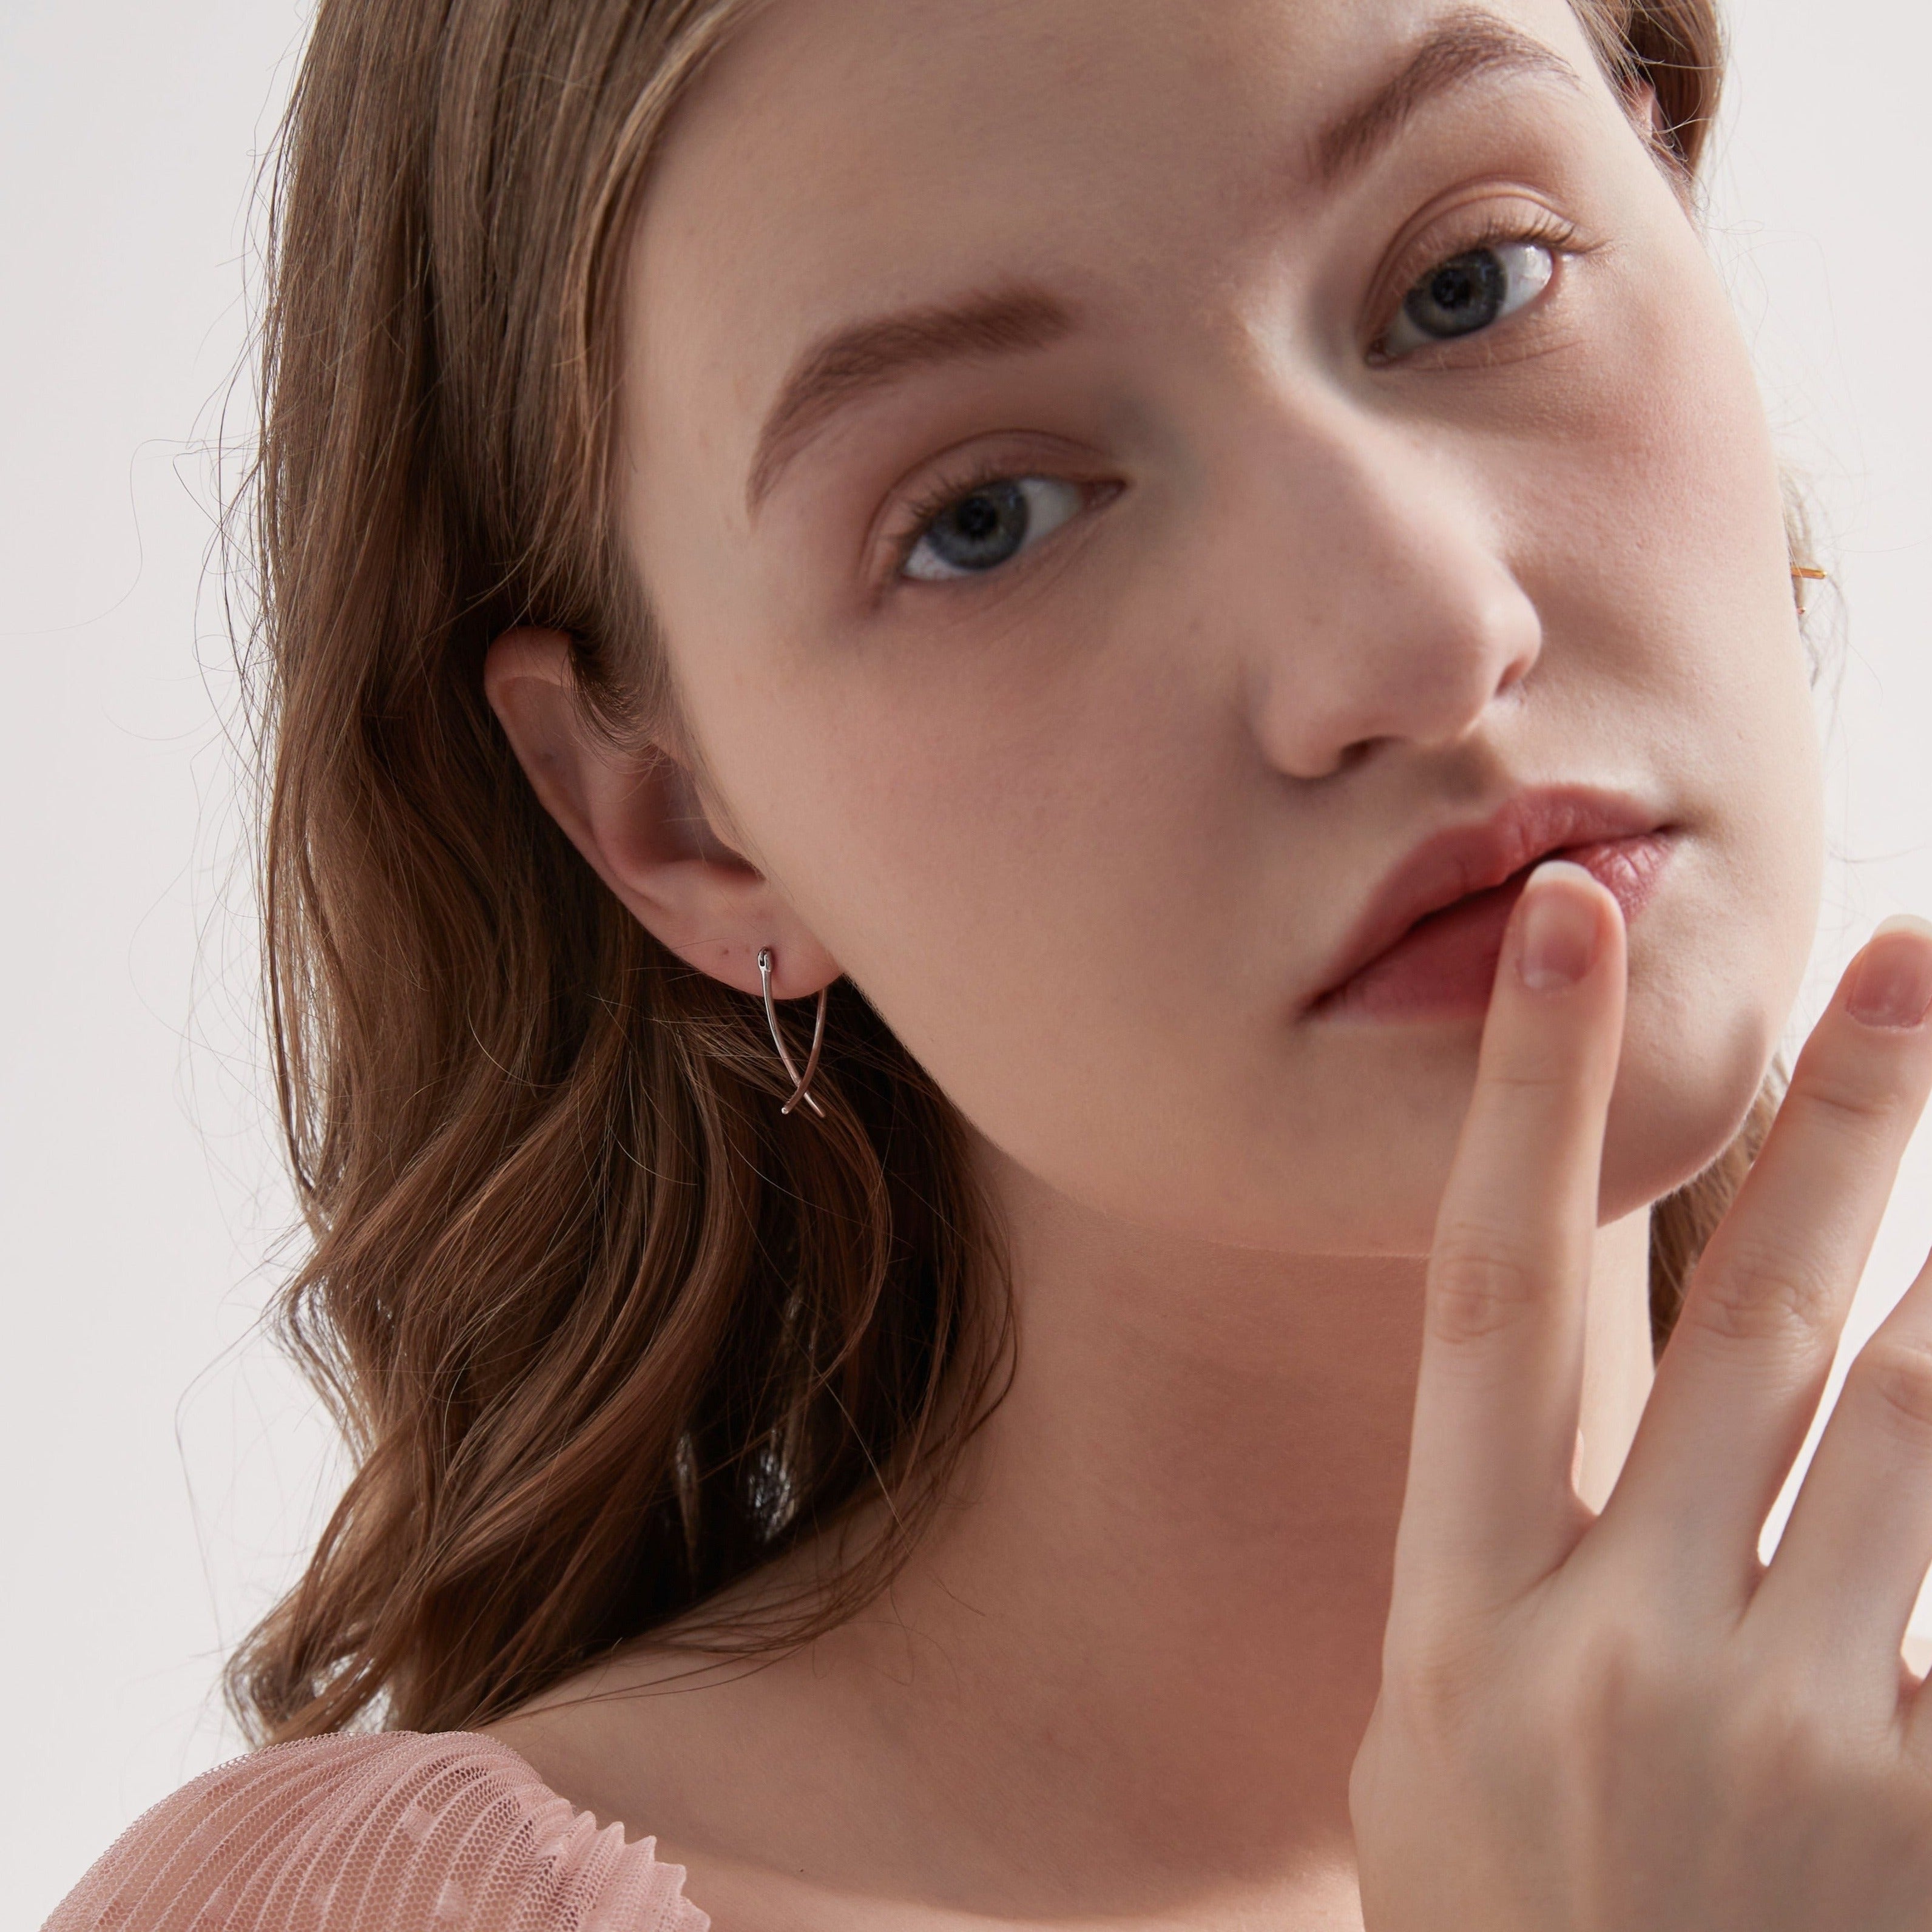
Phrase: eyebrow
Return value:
(855, 361)
(864, 357)
(1468, 45)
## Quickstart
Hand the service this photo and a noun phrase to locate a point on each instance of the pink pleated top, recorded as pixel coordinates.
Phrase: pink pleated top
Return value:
(403, 1832)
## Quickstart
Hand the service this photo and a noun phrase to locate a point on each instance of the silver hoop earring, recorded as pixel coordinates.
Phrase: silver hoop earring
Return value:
(800, 1082)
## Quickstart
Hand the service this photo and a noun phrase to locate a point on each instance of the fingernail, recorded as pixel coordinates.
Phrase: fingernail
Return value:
(1562, 932)
(1892, 985)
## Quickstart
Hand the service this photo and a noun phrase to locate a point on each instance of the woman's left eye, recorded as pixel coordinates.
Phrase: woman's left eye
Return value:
(990, 525)
(1469, 292)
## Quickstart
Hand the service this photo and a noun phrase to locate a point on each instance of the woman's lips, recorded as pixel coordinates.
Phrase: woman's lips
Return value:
(1444, 966)
(1427, 939)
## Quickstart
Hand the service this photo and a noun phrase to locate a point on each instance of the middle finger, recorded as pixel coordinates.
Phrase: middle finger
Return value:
(1738, 1384)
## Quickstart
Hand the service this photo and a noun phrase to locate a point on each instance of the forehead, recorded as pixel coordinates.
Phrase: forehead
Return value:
(844, 157)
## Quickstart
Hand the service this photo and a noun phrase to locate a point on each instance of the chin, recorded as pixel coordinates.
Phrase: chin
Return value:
(1677, 1108)
(1349, 1154)
(1685, 1085)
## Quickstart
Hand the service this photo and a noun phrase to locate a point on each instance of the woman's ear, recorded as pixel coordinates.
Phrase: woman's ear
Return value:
(1647, 117)
(635, 814)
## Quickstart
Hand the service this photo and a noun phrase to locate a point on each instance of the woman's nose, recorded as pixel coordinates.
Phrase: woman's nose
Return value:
(1387, 613)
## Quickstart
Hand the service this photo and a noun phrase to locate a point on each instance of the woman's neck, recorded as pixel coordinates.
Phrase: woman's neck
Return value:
(1176, 1537)
(1133, 1660)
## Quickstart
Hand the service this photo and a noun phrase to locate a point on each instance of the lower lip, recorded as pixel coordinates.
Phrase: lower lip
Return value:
(1443, 967)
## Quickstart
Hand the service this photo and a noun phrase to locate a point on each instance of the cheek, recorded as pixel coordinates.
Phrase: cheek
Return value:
(1667, 593)
(1071, 887)
(1043, 859)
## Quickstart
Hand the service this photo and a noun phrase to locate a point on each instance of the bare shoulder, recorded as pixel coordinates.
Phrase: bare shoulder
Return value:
(454, 1831)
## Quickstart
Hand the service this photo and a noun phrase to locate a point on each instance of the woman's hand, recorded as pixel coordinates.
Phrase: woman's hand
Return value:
(1627, 1724)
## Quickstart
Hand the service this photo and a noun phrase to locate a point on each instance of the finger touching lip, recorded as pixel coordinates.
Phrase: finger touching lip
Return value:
(1426, 946)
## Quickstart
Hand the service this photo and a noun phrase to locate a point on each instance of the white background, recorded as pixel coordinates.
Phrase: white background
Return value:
(161, 1470)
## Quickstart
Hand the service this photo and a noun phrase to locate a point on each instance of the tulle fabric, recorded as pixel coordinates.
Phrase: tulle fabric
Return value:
(403, 1832)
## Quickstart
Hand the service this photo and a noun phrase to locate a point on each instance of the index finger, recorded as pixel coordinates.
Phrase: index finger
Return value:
(1489, 1493)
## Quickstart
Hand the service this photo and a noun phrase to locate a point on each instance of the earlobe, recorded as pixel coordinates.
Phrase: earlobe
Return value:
(635, 812)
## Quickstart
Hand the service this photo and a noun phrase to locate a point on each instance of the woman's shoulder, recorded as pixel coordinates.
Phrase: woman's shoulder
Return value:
(445, 1832)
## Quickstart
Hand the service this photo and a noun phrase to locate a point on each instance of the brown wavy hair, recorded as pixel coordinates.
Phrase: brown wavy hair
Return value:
(604, 1335)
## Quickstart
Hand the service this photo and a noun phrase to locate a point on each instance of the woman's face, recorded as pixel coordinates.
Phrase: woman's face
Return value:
(1148, 500)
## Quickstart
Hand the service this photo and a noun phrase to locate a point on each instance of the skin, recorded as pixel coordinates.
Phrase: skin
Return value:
(1200, 1643)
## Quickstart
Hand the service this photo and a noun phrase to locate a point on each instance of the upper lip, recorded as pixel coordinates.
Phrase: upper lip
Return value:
(1465, 859)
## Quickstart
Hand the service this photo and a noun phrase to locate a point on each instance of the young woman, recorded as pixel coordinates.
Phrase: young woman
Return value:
(1042, 799)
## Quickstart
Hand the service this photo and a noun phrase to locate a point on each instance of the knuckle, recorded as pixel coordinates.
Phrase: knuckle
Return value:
(1438, 1679)
(1763, 1297)
(1433, 1698)
(1622, 1677)
(1782, 1741)
(1478, 1289)
(1848, 1100)
(1620, 1687)
(1893, 1379)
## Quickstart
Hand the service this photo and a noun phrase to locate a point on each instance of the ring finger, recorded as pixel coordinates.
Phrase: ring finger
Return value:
(1840, 1589)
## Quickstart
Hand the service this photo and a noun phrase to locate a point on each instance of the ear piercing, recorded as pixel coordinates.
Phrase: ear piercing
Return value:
(801, 1082)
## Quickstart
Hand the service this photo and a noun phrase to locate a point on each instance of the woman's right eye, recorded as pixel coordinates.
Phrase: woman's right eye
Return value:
(1468, 292)
(990, 525)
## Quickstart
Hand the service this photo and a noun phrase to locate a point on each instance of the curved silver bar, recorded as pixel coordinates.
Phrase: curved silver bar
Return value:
(800, 1081)
(810, 1065)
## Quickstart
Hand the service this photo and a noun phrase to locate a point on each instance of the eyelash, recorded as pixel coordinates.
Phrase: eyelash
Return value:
(1561, 238)
(1546, 230)
(941, 495)
(920, 513)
